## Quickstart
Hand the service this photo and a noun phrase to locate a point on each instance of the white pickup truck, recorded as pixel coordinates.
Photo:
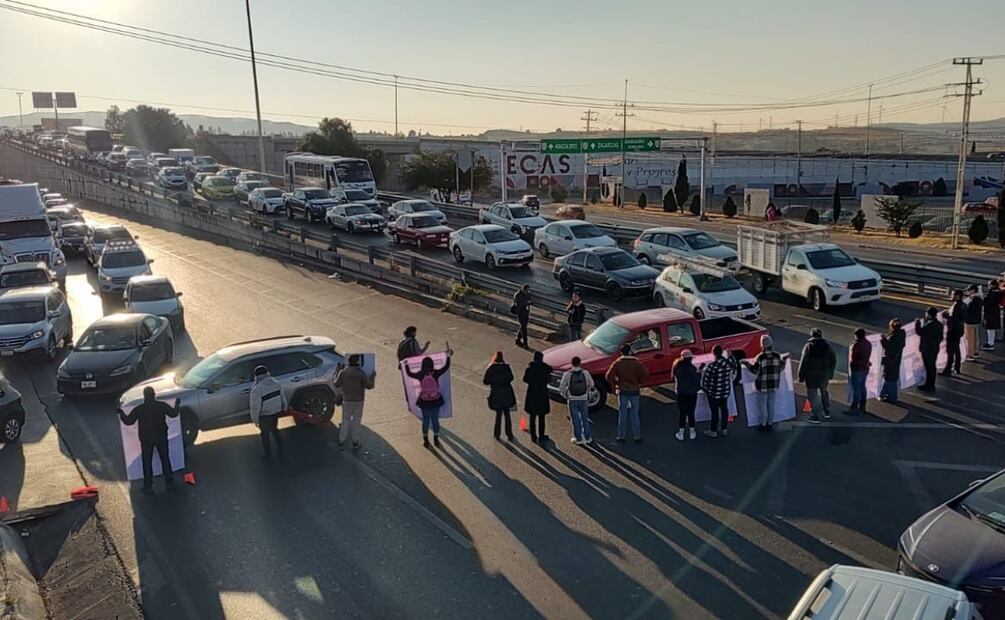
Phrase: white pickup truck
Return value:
(799, 257)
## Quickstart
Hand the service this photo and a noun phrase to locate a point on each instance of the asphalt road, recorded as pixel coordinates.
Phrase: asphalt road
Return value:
(732, 528)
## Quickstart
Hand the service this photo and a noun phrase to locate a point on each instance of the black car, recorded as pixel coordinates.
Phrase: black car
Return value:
(612, 270)
(116, 352)
(11, 412)
(72, 237)
(311, 203)
(962, 544)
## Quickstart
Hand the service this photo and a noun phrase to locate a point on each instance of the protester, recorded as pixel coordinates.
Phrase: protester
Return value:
(576, 313)
(859, 363)
(354, 382)
(771, 212)
(266, 402)
(521, 308)
(1001, 303)
(974, 317)
(992, 314)
(537, 402)
(153, 433)
(767, 369)
(499, 378)
(930, 337)
(817, 365)
(430, 399)
(955, 329)
(716, 382)
(687, 382)
(893, 342)
(575, 389)
(409, 346)
(626, 376)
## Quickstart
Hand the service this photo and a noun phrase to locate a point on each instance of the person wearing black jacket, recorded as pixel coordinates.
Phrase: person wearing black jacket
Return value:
(576, 313)
(521, 308)
(152, 416)
(893, 343)
(974, 317)
(499, 378)
(930, 334)
(537, 402)
(992, 314)
(817, 364)
(955, 328)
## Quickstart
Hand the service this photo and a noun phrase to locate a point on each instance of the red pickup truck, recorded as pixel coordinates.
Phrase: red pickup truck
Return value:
(657, 338)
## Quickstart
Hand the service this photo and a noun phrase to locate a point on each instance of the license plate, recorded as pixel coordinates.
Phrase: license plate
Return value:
(88, 385)
(6, 353)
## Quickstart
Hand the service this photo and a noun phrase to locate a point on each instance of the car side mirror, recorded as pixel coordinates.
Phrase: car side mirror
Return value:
(150, 261)
(146, 343)
(178, 294)
(801, 267)
(568, 238)
(687, 289)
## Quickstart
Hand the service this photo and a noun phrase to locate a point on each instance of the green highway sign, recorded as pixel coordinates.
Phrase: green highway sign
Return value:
(600, 145)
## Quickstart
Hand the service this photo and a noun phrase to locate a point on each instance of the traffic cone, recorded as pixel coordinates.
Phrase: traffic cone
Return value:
(84, 492)
(4, 504)
(806, 406)
(189, 478)
(523, 424)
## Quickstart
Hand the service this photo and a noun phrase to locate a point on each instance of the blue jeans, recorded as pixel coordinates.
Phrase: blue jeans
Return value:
(890, 390)
(430, 415)
(626, 401)
(580, 414)
(858, 393)
(766, 403)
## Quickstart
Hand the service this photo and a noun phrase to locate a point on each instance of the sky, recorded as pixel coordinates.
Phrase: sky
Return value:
(720, 58)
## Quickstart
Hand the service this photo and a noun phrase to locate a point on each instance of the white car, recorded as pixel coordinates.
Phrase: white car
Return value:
(567, 236)
(358, 196)
(655, 243)
(704, 294)
(403, 207)
(490, 244)
(266, 200)
(120, 261)
(155, 295)
(513, 216)
(172, 177)
(353, 217)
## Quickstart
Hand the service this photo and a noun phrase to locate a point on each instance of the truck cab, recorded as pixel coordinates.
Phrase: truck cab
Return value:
(25, 233)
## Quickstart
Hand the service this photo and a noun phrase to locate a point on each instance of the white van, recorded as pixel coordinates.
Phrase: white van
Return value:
(854, 593)
(182, 155)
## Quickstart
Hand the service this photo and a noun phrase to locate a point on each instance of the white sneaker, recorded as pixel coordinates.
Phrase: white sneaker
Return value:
(680, 435)
(694, 434)
(578, 442)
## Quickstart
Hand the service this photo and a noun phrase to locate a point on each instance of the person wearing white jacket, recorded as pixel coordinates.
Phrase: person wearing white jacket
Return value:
(575, 389)
(267, 402)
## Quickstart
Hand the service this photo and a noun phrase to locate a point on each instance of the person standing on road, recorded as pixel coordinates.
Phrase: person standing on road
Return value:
(859, 363)
(409, 346)
(686, 383)
(930, 336)
(992, 314)
(266, 402)
(430, 399)
(354, 382)
(521, 308)
(499, 378)
(152, 416)
(576, 313)
(972, 323)
(893, 342)
(626, 375)
(537, 402)
(817, 364)
(575, 389)
(716, 382)
(955, 328)
(767, 369)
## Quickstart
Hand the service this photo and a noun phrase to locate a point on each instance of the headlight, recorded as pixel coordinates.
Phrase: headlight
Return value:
(121, 370)
(106, 278)
(37, 335)
(62, 374)
(716, 307)
(59, 260)
(833, 284)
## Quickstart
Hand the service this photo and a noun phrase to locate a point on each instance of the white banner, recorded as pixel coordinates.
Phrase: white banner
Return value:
(784, 401)
(133, 453)
(411, 386)
(912, 369)
(702, 412)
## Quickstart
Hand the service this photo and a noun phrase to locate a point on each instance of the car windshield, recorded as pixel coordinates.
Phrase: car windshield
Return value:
(254, 176)
(586, 231)
(151, 291)
(353, 171)
(424, 222)
(607, 338)
(356, 194)
(315, 194)
(173, 172)
(271, 193)
(105, 234)
(518, 212)
(116, 260)
(23, 278)
(203, 160)
(618, 260)
(419, 207)
(13, 312)
(201, 373)
(988, 501)
(499, 235)
(222, 181)
(21, 229)
(357, 210)
(701, 241)
(829, 259)
(253, 185)
(110, 338)
(74, 230)
(714, 284)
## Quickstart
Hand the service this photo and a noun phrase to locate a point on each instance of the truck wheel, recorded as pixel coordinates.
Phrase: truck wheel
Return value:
(597, 399)
(317, 403)
(189, 427)
(817, 300)
(760, 283)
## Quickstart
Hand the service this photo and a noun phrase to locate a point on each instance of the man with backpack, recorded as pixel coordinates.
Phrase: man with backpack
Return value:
(409, 346)
(575, 389)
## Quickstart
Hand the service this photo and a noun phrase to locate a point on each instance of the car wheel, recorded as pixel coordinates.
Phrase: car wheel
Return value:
(289, 213)
(544, 250)
(644, 259)
(12, 426)
(51, 350)
(490, 262)
(760, 284)
(658, 298)
(565, 281)
(350, 228)
(189, 427)
(699, 314)
(458, 255)
(418, 243)
(817, 300)
(614, 291)
(318, 404)
(597, 397)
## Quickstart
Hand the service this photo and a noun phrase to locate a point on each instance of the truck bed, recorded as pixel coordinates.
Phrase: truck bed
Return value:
(726, 327)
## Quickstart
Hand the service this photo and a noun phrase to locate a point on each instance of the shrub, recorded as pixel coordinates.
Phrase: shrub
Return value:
(559, 193)
(978, 231)
(670, 202)
(812, 217)
(643, 201)
(915, 230)
(896, 212)
(858, 222)
(729, 207)
(695, 205)
(939, 187)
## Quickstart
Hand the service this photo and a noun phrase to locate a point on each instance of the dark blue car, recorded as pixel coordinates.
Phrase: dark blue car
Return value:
(962, 544)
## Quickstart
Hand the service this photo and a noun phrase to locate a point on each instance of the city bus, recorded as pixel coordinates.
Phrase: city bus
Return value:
(334, 173)
(86, 142)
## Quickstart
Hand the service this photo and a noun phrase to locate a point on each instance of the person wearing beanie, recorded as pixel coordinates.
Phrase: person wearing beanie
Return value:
(686, 385)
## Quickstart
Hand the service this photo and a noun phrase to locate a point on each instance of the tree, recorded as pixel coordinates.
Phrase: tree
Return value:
(438, 171)
(669, 202)
(154, 129)
(695, 205)
(896, 212)
(643, 202)
(858, 222)
(939, 187)
(729, 207)
(812, 217)
(978, 231)
(836, 202)
(681, 187)
(335, 136)
(915, 230)
(114, 120)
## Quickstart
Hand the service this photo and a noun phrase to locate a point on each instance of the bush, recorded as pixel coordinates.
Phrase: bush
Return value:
(915, 230)
(643, 201)
(939, 187)
(812, 217)
(978, 231)
(858, 222)
(670, 202)
(695, 205)
(559, 193)
(729, 207)
(896, 212)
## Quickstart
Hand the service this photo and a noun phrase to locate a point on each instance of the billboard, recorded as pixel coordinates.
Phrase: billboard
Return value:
(66, 100)
(41, 100)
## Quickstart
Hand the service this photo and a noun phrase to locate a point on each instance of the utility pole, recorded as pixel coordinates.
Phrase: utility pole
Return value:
(880, 120)
(589, 116)
(968, 95)
(799, 156)
(868, 121)
(396, 106)
(836, 121)
(902, 143)
(711, 161)
(624, 136)
(701, 180)
(254, 78)
(20, 119)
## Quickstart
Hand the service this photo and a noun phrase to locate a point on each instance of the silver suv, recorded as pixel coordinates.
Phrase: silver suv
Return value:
(34, 318)
(214, 392)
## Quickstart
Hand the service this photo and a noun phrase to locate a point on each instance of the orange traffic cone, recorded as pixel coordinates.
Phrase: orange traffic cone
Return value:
(523, 424)
(4, 505)
(84, 492)
(189, 478)
(807, 408)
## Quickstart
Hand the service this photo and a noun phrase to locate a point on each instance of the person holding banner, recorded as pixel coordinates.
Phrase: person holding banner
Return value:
(152, 416)
(992, 314)
(893, 343)
(817, 364)
(687, 382)
(430, 399)
(499, 378)
(955, 328)
(930, 339)
(859, 363)
(767, 370)
(716, 382)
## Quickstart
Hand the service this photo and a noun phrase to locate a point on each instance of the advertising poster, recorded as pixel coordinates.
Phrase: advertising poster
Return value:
(411, 386)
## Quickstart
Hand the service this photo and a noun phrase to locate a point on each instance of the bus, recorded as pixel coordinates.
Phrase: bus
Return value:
(334, 173)
(86, 142)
